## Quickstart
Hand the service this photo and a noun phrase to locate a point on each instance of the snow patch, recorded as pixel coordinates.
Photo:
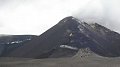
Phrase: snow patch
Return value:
(81, 29)
(69, 47)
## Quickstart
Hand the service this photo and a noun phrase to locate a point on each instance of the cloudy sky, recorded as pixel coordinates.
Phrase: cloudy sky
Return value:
(36, 16)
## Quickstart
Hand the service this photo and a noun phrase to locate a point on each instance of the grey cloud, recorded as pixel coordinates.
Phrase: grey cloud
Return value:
(106, 13)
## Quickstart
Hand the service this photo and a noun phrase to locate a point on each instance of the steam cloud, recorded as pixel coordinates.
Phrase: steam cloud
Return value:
(104, 12)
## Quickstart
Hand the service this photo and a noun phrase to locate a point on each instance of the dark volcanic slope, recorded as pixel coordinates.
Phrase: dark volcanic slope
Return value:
(43, 45)
(69, 35)
(10, 42)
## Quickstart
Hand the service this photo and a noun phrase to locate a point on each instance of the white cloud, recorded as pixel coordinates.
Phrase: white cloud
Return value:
(35, 16)
(104, 12)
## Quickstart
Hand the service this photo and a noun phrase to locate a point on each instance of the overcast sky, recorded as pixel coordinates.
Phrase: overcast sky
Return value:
(36, 16)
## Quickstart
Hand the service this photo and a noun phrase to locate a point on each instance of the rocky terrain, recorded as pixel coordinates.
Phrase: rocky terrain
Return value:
(82, 59)
(70, 43)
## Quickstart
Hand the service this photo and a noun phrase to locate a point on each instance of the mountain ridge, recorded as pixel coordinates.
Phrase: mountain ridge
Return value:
(74, 34)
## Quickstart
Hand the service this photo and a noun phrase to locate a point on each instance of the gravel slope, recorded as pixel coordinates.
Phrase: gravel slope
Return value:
(86, 60)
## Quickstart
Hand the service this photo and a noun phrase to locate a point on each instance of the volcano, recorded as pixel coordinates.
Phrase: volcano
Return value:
(66, 38)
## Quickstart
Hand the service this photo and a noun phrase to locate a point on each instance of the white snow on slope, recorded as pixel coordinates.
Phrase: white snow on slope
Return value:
(69, 47)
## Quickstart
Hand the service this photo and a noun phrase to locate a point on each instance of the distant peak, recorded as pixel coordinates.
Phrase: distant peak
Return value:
(69, 17)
